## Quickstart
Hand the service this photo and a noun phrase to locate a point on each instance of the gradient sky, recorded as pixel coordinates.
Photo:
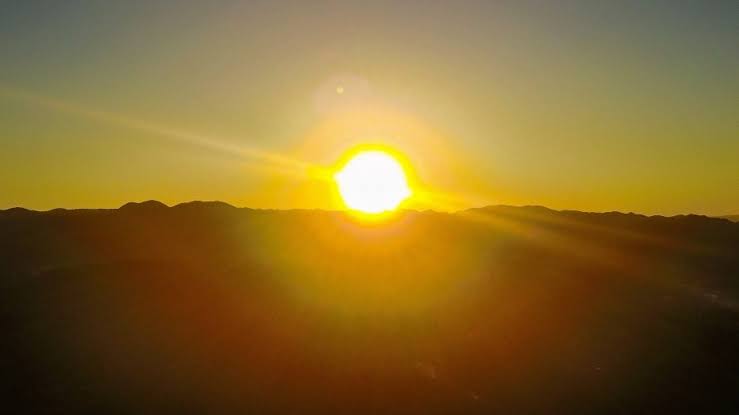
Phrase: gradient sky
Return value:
(588, 105)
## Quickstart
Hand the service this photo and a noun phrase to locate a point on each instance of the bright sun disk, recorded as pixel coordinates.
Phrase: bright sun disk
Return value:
(372, 182)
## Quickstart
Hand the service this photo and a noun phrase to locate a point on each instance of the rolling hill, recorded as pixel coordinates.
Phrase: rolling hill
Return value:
(208, 308)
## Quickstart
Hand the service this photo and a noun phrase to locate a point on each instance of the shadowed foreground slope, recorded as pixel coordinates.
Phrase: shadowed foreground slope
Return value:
(206, 308)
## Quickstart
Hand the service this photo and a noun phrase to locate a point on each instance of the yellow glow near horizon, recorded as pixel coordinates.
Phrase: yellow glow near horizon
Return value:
(372, 182)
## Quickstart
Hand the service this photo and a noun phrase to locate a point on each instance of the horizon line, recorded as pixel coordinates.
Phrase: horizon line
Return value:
(316, 209)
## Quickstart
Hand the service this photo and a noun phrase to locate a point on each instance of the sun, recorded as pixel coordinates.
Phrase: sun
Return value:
(372, 182)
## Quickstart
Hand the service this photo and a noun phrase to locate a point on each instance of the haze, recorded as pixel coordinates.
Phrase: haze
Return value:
(576, 105)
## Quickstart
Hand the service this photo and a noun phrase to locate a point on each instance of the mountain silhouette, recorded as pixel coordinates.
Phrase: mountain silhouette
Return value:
(150, 205)
(204, 307)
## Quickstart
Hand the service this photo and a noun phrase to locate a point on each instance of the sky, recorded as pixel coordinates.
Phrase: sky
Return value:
(587, 105)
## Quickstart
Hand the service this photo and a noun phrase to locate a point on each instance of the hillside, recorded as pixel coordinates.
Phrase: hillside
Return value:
(208, 308)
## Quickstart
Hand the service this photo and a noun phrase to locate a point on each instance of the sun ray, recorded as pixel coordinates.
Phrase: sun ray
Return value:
(218, 144)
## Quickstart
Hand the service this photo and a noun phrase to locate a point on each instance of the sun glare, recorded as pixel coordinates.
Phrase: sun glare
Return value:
(372, 182)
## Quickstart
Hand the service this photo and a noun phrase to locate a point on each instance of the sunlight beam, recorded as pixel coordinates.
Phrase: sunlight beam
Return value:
(221, 145)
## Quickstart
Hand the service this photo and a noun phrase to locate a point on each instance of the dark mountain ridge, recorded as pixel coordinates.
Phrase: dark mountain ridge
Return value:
(155, 204)
(203, 307)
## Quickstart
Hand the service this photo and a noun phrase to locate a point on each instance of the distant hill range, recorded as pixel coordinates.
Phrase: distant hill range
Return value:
(208, 308)
(155, 205)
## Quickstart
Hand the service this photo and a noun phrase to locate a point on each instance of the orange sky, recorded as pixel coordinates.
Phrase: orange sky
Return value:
(578, 106)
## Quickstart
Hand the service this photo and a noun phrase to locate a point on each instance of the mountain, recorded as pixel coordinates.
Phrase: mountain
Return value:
(207, 308)
(149, 205)
(733, 218)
